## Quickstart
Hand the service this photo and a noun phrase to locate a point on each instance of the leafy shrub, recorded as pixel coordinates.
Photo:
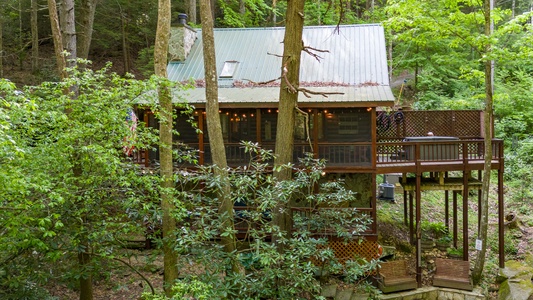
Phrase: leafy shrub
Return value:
(285, 269)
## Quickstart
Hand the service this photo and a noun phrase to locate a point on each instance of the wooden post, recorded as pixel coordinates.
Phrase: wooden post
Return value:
(418, 230)
(454, 204)
(465, 215)
(405, 208)
(446, 209)
(501, 253)
(411, 218)
(479, 176)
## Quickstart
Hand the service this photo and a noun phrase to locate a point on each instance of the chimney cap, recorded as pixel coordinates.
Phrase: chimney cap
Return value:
(182, 19)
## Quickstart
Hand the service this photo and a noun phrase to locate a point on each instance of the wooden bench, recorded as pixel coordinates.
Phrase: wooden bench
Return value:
(452, 273)
(394, 276)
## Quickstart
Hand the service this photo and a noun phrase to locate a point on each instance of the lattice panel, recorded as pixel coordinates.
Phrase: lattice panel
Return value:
(352, 250)
(463, 124)
(468, 124)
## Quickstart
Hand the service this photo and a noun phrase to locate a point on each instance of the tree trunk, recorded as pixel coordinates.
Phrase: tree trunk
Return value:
(125, 44)
(288, 100)
(68, 30)
(20, 40)
(242, 7)
(58, 38)
(216, 139)
(34, 38)
(484, 209)
(86, 22)
(165, 148)
(191, 11)
(86, 280)
(274, 16)
(1, 41)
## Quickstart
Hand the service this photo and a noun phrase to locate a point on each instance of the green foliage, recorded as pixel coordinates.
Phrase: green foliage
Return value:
(268, 273)
(145, 61)
(67, 187)
(244, 13)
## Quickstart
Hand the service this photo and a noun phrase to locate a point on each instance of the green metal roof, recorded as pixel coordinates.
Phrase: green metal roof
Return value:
(356, 64)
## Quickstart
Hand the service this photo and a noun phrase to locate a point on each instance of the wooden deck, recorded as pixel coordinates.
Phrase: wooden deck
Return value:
(448, 184)
(434, 166)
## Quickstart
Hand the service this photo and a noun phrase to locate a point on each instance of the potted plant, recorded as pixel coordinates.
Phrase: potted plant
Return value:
(455, 252)
(437, 229)
(426, 240)
(444, 242)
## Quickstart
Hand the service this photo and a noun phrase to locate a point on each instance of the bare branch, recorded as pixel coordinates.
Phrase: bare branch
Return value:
(307, 93)
(284, 75)
(262, 82)
(306, 116)
(308, 50)
(273, 54)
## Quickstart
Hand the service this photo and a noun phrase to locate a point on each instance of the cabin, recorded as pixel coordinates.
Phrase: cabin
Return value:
(357, 128)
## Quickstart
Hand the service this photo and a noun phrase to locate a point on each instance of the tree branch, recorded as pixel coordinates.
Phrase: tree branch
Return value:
(306, 92)
(308, 50)
(306, 116)
(262, 82)
(131, 267)
(273, 54)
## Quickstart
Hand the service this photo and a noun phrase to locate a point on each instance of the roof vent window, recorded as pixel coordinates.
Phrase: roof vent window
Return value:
(229, 68)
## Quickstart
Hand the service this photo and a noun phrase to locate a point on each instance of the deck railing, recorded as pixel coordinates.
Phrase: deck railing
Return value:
(359, 154)
(436, 151)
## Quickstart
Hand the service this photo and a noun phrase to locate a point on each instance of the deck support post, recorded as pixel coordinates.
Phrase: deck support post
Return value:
(454, 205)
(418, 229)
(480, 178)
(411, 218)
(447, 209)
(501, 254)
(465, 215)
(405, 208)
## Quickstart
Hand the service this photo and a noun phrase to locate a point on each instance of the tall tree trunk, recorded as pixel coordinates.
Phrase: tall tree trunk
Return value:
(216, 139)
(20, 39)
(68, 29)
(242, 7)
(58, 38)
(191, 11)
(274, 16)
(84, 259)
(68, 33)
(288, 100)
(165, 149)
(125, 43)
(86, 22)
(1, 41)
(34, 38)
(484, 209)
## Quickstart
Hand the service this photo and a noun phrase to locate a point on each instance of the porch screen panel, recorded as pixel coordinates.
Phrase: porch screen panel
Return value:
(237, 125)
(347, 125)
(186, 132)
(269, 122)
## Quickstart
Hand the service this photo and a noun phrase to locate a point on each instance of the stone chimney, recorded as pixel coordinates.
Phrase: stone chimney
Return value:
(182, 38)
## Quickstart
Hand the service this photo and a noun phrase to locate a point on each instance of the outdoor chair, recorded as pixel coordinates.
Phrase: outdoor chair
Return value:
(452, 273)
(394, 276)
